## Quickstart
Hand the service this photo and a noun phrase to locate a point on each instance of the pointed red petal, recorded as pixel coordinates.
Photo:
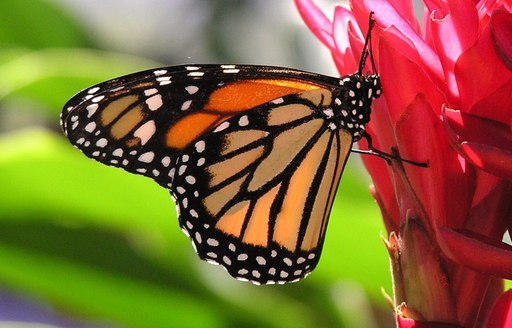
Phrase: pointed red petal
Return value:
(477, 252)
(317, 22)
(476, 80)
(447, 180)
(461, 24)
(490, 151)
(494, 160)
(403, 78)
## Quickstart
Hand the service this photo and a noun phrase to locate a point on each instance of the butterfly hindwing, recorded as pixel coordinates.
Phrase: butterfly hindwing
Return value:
(255, 193)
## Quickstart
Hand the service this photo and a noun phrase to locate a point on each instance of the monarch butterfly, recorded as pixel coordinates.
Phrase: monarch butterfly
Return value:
(252, 155)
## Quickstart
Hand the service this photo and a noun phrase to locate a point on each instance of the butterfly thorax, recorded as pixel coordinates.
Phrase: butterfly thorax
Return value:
(351, 106)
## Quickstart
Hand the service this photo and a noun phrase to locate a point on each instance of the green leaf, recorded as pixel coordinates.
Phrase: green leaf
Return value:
(38, 24)
(51, 76)
(88, 291)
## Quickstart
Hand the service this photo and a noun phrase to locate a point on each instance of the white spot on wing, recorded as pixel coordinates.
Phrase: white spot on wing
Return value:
(160, 72)
(224, 125)
(261, 260)
(91, 109)
(198, 237)
(97, 99)
(145, 131)
(182, 169)
(102, 142)
(191, 89)
(154, 102)
(328, 112)
(243, 121)
(186, 104)
(93, 90)
(164, 80)
(118, 152)
(200, 145)
(90, 127)
(226, 260)
(212, 242)
(150, 92)
(166, 161)
(147, 157)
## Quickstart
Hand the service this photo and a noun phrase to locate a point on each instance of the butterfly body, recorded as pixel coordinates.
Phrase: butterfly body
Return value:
(252, 155)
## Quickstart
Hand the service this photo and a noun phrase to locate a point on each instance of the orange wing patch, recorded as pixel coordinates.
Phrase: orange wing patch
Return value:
(230, 100)
(243, 95)
(190, 127)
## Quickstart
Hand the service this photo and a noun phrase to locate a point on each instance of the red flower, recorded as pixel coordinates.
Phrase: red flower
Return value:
(447, 99)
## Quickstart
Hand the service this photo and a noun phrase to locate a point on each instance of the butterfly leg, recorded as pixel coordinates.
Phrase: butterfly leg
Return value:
(386, 156)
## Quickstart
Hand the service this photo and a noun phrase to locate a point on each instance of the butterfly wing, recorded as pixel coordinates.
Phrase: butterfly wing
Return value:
(255, 193)
(251, 160)
(130, 121)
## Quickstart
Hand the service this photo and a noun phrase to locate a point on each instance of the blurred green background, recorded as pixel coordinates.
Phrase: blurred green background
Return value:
(85, 245)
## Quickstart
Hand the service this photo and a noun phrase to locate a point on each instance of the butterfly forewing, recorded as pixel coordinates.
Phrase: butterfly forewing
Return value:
(142, 121)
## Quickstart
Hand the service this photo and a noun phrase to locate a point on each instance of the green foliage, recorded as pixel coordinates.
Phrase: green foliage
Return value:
(36, 25)
(99, 244)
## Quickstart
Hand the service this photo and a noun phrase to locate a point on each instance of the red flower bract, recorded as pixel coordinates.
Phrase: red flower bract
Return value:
(447, 99)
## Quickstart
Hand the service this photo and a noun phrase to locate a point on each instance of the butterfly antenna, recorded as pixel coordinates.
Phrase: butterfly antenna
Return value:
(367, 49)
